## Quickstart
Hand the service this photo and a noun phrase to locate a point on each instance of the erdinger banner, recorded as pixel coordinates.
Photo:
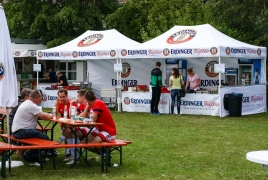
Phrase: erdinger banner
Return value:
(205, 104)
(79, 55)
(140, 102)
(50, 97)
(20, 53)
(253, 100)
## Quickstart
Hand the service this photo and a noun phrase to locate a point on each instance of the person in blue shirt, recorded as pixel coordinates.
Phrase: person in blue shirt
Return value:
(51, 76)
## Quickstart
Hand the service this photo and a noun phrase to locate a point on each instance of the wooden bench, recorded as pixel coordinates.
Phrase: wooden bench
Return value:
(36, 143)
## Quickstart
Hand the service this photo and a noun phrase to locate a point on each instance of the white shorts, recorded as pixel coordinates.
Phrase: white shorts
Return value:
(105, 136)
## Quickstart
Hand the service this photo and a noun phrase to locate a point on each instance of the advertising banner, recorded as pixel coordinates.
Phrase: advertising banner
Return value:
(253, 100)
(50, 97)
(140, 102)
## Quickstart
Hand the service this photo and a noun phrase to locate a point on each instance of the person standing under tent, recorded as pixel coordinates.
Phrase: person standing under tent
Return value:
(51, 76)
(62, 80)
(176, 82)
(193, 81)
(156, 83)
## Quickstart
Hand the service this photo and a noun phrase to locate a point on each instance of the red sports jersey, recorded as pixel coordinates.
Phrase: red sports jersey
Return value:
(105, 117)
(61, 108)
(80, 107)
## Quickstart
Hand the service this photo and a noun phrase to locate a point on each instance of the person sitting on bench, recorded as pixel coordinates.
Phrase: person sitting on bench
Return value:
(101, 114)
(25, 122)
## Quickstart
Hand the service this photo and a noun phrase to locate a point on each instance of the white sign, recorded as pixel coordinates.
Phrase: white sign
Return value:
(140, 102)
(37, 67)
(118, 68)
(253, 100)
(219, 68)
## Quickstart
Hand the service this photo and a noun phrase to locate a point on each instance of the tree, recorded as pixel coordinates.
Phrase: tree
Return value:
(56, 21)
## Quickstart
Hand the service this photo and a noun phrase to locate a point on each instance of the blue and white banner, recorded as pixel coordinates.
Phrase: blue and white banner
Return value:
(253, 101)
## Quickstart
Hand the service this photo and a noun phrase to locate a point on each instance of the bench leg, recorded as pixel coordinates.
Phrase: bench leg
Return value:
(4, 156)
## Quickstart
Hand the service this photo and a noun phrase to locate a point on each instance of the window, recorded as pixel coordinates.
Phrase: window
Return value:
(68, 69)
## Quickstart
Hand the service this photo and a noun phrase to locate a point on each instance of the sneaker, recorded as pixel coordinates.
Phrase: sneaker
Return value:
(52, 152)
(35, 164)
(151, 113)
(67, 157)
(55, 152)
(72, 162)
(158, 113)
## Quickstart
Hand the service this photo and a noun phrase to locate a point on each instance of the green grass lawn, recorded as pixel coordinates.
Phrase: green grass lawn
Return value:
(171, 147)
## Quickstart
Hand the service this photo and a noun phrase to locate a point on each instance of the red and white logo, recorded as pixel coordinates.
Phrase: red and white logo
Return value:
(259, 51)
(75, 54)
(40, 54)
(181, 36)
(17, 53)
(125, 70)
(209, 69)
(166, 52)
(112, 53)
(123, 52)
(126, 101)
(90, 40)
(213, 50)
(228, 51)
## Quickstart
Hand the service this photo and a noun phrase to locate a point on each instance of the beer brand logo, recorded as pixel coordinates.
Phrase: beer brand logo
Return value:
(213, 50)
(259, 51)
(181, 36)
(32, 53)
(125, 70)
(126, 101)
(44, 97)
(112, 53)
(123, 52)
(227, 51)
(75, 54)
(166, 52)
(40, 54)
(90, 40)
(17, 53)
(209, 69)
(2, 71)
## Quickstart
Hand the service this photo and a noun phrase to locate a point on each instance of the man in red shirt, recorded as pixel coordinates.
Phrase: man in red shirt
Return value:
(102, 114)
(80, 104)
(61, 102)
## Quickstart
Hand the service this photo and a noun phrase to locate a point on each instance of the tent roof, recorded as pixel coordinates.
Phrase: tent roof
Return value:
(90, 45)
(26, 50)
(193, 41)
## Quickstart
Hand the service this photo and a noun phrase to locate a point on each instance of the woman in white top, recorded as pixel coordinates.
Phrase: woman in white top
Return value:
(175, 81)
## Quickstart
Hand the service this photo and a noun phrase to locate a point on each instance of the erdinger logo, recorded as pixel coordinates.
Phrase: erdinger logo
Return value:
(112, 53)
(125, 69)
(126, 100)
(259, 51)
(32, 53)
(227, 51)
(209, 69)
(40, 54)
(75, 54)
(17, 53)
(123, 52)
(90, 40)
(166, 52)
(2, 71)
(181, 36)
(213, 50)
(44, 97)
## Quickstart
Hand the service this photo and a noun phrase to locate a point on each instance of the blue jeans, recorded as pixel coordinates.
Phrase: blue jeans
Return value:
(175, 93)
(31, 155)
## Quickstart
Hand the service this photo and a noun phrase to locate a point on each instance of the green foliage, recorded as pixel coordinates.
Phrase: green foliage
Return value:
(56, 22)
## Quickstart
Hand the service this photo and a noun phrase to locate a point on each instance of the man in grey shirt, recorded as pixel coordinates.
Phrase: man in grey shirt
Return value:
(25, 121)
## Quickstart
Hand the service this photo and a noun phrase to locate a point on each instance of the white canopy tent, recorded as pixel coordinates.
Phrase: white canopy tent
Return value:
(91, 45)
(26, 50)
(196, 42)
